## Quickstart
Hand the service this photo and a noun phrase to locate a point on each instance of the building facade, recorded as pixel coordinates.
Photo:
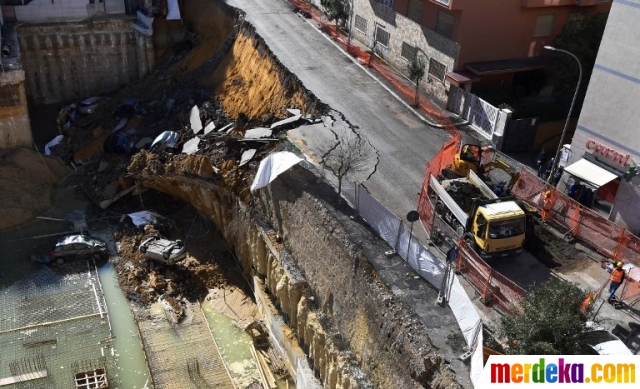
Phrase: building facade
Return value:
(605, 149)
(466, 41)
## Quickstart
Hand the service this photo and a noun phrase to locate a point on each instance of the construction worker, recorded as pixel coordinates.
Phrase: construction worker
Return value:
(617, 278)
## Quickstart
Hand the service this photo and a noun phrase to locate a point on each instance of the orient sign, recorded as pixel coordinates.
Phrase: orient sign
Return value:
(606, 151)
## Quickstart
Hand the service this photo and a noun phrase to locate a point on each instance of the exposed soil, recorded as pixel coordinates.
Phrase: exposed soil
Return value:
(209, 264)
(27, 185)
(463, 194)
(557, 253)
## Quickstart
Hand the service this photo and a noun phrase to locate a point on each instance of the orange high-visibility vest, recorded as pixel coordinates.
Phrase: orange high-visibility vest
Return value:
(617, 275)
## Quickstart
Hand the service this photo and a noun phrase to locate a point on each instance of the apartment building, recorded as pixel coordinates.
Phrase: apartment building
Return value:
(605, 149)
(482, 42)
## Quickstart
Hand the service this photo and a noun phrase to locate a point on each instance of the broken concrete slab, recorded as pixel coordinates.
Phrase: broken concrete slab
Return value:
(191, 146)
(286, 121)
(246, 156)
(209, 127)
(228, 127)
(194, 119)
(257, 133)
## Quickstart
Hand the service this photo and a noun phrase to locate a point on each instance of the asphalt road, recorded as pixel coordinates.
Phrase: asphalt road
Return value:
(403, 141)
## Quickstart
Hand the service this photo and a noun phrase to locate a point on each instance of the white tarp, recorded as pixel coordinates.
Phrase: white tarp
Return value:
(173, 10)
(145, 217)
(191, 146)
(52, 142)
(590, 172)
(272, 166)
(194, 119)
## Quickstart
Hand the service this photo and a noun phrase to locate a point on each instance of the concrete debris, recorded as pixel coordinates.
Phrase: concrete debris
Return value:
(120, 125)
(191, 146)
(228, 127)
(327, 120)
(281, 123)
(258, 133)
(194, 119)
(144, 142)
(209, 127)
(294, 111)
(103, 166)
(246, 156)
(52, 142)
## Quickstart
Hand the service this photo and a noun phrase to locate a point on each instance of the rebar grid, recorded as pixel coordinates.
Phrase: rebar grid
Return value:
(183, 355)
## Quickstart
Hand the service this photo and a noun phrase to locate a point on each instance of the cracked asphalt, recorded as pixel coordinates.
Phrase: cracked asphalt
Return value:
(403, 141)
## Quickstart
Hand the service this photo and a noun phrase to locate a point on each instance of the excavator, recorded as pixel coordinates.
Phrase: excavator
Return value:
(469, 157)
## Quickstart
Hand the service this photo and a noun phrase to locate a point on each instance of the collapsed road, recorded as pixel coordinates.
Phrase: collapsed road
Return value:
(322, 270)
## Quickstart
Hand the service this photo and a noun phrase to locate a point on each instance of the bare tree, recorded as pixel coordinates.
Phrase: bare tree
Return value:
(416, 70)
(352, 156)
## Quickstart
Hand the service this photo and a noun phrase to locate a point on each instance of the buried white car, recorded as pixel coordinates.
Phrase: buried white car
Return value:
(163, 250)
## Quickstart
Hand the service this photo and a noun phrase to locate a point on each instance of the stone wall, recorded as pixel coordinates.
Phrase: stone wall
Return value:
(354, 330)
(402, 29)
(71, 61)
(15, 126)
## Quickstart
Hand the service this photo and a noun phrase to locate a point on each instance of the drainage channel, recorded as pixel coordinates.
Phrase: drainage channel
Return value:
(133, 369)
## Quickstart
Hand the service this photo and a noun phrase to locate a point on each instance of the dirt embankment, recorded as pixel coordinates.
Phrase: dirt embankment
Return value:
(27, 183)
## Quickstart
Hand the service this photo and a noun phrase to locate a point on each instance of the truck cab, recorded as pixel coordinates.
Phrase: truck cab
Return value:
(498, 229)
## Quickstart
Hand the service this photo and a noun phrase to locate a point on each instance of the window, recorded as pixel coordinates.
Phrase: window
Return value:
(544, 25)
(408, 52)
(382, 36)
(361, 24)
(388, 3)
(415, 10)
(445, 23)
(437, 70)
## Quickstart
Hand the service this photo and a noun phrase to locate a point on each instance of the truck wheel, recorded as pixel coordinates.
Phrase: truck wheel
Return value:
(459, 229)
(143, 249)
(60, 260)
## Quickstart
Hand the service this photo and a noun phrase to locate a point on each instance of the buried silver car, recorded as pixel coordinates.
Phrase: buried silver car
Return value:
(163, 250)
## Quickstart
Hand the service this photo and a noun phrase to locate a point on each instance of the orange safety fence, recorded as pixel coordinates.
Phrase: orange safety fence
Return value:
(602, 235)
(494, 288)
(631, 286)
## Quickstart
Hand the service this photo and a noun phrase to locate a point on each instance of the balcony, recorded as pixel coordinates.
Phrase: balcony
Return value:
(553, 3)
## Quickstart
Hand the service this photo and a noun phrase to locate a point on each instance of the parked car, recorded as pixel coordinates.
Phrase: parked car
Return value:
(73, 247)
(166, 141)
(128, 109)
(89, 105)
(163, 250)
(604, 342)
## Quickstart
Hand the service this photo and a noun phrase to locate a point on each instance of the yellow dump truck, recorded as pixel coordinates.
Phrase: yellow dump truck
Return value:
(493, 226)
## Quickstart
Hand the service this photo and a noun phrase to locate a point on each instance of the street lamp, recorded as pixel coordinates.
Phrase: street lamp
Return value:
(566, 123)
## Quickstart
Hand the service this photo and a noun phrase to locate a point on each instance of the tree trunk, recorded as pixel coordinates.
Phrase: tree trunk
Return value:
(417, 96)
